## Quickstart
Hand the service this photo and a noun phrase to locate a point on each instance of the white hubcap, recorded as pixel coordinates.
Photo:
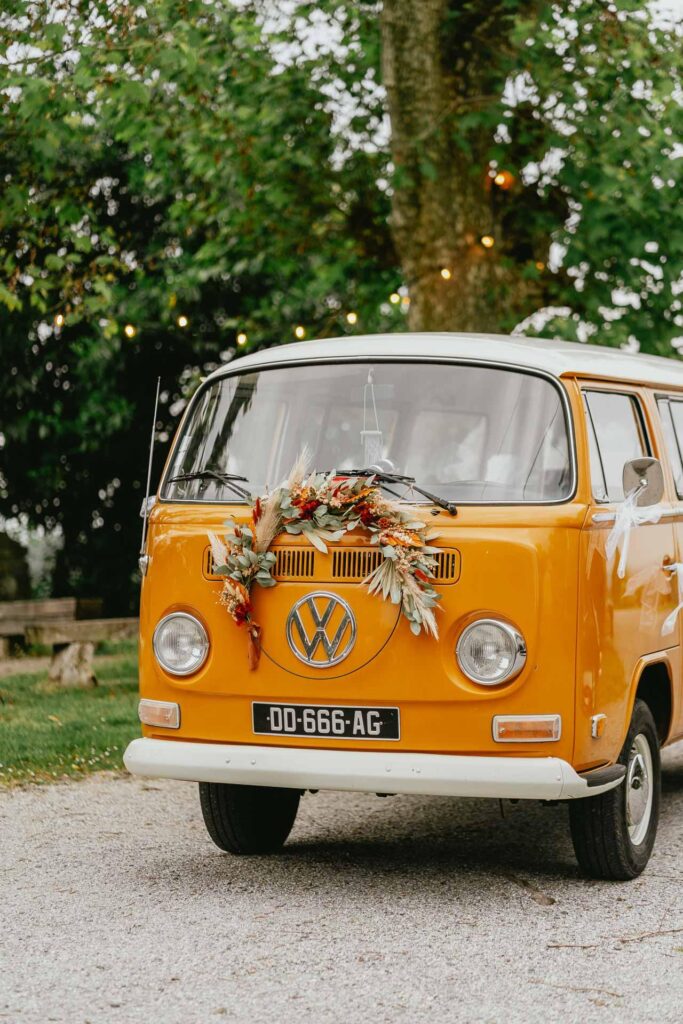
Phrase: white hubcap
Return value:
(639, 789)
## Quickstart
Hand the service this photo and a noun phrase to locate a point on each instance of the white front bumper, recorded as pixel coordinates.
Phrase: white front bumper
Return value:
(524, 778)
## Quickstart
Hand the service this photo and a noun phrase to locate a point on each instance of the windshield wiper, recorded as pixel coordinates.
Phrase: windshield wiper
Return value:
(228, 479)
(397, 478)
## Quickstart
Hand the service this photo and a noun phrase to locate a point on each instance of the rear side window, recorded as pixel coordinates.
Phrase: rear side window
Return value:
(616, 435)
(671, 413)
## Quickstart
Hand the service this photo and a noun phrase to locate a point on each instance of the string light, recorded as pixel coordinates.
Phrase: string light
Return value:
(129, 331)
(504, 180)
(59, 320)
(540, 265)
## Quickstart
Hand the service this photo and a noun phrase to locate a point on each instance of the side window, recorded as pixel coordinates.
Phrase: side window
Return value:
(616, 435)
(671, 413)
(597, 472)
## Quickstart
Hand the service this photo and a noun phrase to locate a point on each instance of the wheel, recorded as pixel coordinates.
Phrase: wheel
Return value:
(613, 834)
(248, 819)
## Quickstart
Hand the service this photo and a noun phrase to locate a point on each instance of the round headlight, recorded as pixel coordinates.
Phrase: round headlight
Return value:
(489, 652)
(180, 644)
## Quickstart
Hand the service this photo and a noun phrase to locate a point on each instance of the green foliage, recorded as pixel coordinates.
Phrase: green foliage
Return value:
(157, 173)
(604, 97)
(581, 102)
(217, 162)
(47, 732)
(155, 163)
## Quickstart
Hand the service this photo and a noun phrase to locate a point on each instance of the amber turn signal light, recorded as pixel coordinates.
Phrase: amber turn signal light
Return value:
(527, 728)
(162, 713)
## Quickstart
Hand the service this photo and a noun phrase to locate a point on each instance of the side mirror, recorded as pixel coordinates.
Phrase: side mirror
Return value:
(645, 476)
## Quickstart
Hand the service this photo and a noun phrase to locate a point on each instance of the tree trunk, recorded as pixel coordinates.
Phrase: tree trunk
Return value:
(438, 63)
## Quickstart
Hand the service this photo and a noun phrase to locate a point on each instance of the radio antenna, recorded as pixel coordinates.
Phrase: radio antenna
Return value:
(145, 507)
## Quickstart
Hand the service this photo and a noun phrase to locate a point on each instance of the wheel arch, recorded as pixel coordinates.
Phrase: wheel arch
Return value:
(653, 684)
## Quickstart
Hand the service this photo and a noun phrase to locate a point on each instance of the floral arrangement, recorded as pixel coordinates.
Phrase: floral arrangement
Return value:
(322, 508)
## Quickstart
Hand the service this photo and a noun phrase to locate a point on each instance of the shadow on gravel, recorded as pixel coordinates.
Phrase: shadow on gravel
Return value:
(672, 779)
(469, 834)
(439, 834)
(408, 839)
(400, 842)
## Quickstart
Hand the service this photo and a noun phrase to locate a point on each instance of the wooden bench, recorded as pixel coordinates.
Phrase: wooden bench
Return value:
(16, 616)
(66, 631)
(73, 645)
(67, 624)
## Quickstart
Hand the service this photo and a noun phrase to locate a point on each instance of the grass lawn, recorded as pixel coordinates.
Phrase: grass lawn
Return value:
(47, 732)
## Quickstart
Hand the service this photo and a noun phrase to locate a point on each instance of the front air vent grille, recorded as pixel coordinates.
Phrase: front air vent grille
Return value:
(353, 565)
(209, 564)
(344, 565)
(291, 564)
(294, 564)
(447, 566)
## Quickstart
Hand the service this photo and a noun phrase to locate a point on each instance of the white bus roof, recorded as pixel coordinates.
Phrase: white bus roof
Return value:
(559, 358)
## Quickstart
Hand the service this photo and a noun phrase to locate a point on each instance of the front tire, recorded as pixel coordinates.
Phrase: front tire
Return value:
(248, 819)
(613, 834)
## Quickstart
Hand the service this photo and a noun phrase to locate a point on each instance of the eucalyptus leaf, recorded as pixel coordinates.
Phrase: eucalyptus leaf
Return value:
(316, 541)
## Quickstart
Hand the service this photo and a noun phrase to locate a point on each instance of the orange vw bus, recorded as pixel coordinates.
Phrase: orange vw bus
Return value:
(471, 590)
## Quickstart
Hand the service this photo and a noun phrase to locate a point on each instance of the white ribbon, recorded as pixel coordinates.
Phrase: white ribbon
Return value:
(670, 621)
(628, 516)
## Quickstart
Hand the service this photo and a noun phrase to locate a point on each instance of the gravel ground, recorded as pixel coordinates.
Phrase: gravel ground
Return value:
(115, 906)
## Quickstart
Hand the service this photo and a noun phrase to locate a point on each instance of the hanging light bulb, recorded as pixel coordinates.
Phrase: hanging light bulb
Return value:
(488, 241)
(129, 331)
(446, 274)
(182, 321)
(59, 320)
(241, 338)
(504, 180)
(394, 298)
(300, 331)
(352, 318)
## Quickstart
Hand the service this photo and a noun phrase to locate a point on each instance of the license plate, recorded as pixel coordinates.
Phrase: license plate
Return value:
(342, 723)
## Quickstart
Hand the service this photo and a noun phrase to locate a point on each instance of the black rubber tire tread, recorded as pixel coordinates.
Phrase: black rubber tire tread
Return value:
(598, 824)
(248, 819)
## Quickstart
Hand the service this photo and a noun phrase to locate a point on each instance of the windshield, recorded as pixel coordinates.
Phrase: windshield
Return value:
(471, 433)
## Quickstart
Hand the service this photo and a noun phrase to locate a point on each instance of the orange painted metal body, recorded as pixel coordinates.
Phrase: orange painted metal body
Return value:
(540, 567)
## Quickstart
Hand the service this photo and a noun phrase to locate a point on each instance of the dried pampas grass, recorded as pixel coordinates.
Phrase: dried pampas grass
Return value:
(269, 524)
(299, 469)
(219, 550)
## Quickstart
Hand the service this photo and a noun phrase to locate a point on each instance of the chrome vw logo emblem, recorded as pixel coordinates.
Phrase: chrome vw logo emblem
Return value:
(321, 629)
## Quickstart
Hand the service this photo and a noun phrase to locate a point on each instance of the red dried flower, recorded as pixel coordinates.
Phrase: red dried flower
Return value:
(308, 508)
(241, 614)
